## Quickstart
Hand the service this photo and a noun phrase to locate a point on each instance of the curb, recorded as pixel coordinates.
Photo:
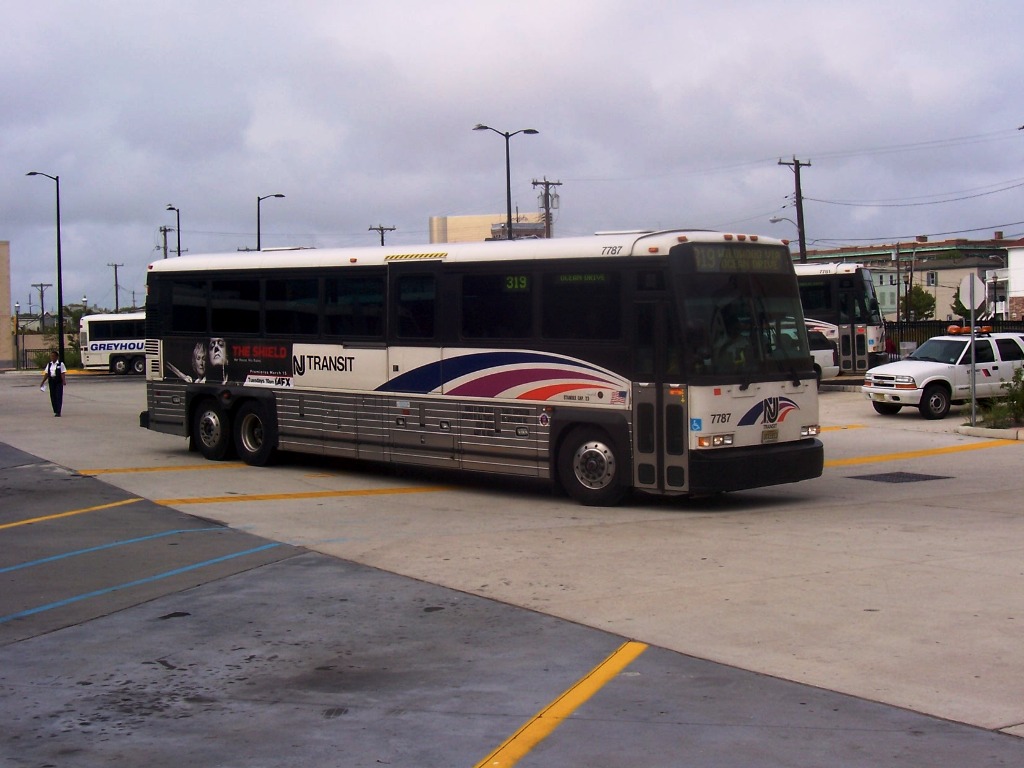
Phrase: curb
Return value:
(1015, 433)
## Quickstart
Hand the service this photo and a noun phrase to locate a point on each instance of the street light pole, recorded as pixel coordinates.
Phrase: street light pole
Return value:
(177, 227)
(60, 282)
(508, 169)
(259, 200)
(17, 331)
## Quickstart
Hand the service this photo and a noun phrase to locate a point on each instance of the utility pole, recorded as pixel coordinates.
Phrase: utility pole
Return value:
(117, 307)
(164, 231)
(796, 165)
(382, 229)
(548, 201)
(42, 305)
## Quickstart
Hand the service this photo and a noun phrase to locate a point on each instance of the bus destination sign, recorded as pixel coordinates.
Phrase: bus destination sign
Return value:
(726, 257)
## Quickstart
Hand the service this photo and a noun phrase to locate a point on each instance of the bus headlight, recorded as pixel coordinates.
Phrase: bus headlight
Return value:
(715, 441)
(811, 430)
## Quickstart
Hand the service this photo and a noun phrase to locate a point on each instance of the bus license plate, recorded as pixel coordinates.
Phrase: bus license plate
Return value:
(770, 436)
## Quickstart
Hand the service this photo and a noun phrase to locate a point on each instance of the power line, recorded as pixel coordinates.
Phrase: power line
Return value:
(855, 204)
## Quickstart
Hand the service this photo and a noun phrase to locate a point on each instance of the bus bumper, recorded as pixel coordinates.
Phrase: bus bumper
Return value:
(741, 468)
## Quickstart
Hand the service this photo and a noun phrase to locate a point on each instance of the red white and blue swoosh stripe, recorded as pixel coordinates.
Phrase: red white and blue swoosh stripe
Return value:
(533, 376)
(763, 411)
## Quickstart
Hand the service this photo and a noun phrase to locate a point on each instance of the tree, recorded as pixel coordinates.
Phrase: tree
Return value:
(73, 350)
(921, 304)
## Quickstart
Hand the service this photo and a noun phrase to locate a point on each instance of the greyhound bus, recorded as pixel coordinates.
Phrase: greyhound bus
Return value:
(114, 343)
(839, 300)
(601, 364)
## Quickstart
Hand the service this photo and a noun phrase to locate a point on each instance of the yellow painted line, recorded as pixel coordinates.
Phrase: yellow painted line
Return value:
(301, 496)
(535, 730)
(918, 454)
(842, 427)
(182, 468)
(68, 514)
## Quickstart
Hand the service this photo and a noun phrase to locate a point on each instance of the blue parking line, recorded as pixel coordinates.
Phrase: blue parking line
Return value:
(101, 547)
(136, 583)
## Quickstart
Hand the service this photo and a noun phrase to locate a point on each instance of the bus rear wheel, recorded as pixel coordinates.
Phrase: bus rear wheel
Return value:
(138, 365)
(590, 469)
(211, 430)
(255, 440)
(119, 366)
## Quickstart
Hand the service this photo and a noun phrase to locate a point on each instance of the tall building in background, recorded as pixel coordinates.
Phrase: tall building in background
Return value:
(490, 226)
(6, 307)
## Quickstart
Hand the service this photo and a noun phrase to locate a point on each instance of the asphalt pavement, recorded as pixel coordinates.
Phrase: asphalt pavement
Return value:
(134, 631)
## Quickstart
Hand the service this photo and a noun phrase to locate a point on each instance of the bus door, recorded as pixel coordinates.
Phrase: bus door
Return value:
(660, 457)
(853, 336)
(420, 430)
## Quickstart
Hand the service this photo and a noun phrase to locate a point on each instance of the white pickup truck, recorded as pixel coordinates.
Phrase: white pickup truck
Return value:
(938, 373)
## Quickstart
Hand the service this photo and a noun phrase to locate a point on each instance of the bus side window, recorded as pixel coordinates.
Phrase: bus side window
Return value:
(415, 306)
(496, 306)
(188, 306)
(354, 306)
(291, 306)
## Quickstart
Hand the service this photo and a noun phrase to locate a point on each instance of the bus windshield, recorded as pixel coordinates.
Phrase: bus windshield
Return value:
(744, 324)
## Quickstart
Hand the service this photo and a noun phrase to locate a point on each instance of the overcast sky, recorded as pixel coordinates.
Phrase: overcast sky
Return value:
(662, 113)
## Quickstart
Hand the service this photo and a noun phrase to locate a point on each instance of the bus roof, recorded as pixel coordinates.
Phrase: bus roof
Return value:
(828, 268)
(595, 246)
(134, 315)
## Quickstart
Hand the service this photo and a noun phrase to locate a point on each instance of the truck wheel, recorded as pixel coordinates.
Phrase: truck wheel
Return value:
(590, 468)
(934, 402)
(886, 409)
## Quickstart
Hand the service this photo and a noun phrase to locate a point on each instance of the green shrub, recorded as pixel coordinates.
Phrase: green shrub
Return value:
(1009, 410)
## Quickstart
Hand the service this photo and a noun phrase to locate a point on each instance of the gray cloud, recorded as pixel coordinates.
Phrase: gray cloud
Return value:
(658, 114)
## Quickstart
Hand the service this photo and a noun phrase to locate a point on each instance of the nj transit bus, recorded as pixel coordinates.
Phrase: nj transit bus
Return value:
(672, 363)
(115, 343)
(839, 300)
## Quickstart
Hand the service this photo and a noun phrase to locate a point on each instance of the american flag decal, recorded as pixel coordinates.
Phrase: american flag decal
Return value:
(618, 398)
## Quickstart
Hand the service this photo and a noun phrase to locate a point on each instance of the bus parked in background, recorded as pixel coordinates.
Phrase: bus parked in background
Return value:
(839, 300)
(115, 343)
(669, 362)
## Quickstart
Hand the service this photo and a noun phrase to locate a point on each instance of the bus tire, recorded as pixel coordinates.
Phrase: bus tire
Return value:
(138, 365)
(255, 441)
(886, 409)
(590, 467)
(211, 430)
(119, 366)
(934, 402)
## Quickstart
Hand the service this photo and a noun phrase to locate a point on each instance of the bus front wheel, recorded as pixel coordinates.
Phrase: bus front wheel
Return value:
(211, 430)
(590, 468)
(255, 441)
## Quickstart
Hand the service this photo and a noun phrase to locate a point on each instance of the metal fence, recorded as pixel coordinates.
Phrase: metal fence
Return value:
(919, 331)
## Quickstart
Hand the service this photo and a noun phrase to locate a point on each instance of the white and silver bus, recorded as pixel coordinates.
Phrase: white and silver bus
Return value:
(839, 300)
(601, 363)
(115, 343)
